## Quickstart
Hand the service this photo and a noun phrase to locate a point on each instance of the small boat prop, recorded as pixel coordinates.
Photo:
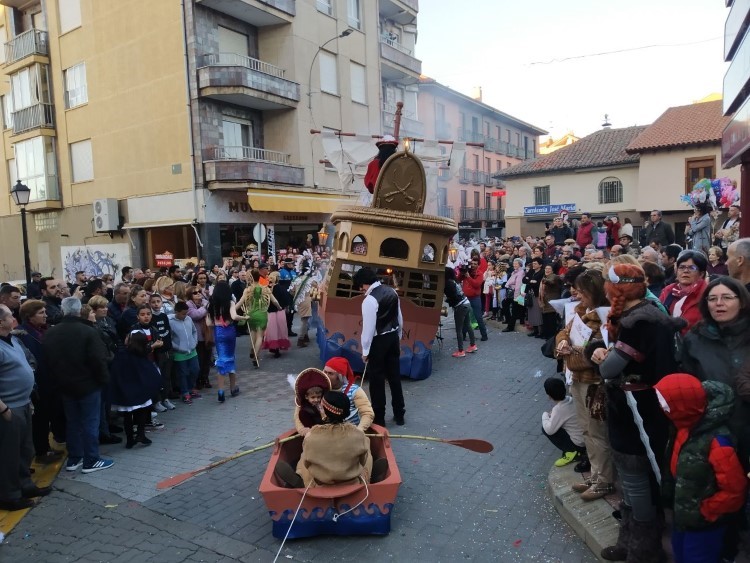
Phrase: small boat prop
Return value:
(340, 510)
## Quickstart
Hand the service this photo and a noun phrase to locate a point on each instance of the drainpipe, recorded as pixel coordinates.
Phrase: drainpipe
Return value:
(193, 172)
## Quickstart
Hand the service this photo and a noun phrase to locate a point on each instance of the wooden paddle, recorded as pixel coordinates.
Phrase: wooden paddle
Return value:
(473, 444)
(182, 477)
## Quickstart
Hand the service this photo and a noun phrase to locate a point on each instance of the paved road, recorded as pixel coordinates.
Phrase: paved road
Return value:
(454, 505)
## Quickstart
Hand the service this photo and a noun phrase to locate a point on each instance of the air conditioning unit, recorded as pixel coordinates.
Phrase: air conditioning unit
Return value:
(106, 215)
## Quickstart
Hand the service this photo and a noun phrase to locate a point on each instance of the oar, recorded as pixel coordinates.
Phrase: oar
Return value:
(473, 444)
(182, 477)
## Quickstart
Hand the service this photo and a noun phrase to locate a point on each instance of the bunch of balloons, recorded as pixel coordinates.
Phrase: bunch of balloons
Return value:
(718, 193)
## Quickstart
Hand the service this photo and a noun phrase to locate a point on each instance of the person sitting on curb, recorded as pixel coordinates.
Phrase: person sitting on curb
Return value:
(334, 453)
(560, 425)
(342, 379)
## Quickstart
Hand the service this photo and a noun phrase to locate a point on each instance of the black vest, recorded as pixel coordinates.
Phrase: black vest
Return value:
(387, 319)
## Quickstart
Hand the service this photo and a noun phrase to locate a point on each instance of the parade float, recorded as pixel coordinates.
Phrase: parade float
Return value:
(407, 248)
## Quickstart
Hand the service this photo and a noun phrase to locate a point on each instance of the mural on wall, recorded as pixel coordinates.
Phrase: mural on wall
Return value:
(96, 260)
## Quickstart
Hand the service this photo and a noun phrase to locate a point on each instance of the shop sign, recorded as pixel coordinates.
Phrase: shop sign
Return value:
(735, 139)
(165, 259)
(238, 206)
(548, 209)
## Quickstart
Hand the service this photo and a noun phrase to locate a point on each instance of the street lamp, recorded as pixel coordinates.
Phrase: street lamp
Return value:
(21, 195)
(323, 236)
(453, 252)
(344, 33)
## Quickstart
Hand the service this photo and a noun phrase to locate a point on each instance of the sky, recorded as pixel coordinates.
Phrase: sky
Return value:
(513, 49)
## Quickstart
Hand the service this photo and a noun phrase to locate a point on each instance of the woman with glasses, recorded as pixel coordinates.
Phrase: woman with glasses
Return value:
(681, 298)
(715, 349)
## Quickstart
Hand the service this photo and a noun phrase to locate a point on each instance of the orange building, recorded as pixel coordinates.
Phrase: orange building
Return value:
(471, 198)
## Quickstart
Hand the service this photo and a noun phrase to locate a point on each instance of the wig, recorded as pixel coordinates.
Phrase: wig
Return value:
(631, 285)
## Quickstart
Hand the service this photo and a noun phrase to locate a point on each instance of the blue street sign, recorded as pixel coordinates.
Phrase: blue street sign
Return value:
(549, 209)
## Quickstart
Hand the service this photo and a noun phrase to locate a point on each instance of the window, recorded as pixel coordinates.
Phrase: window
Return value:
(30, 86)
(238, 139)
(394, 248)
(499, 165)
(541, 195)
(359, 245)
(476, 200)
(358, 83)
(329, 81)
(7, 102)
(499, 133)
(325, 6)
(610, 190)
(35, 167)
(76, 92)
(82, 161)
(487, 201)
(231, 41)
(355, 17)
(697, 169)
(3, 40)
(70, 14)
(463, 198)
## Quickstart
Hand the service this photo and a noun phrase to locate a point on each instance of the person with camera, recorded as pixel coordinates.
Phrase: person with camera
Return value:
(472, 278)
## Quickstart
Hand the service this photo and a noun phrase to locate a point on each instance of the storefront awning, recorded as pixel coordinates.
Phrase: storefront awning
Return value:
(278, 200)
(155, 224)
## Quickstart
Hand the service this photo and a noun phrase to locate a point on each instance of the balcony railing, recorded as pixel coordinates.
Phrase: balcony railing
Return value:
(393, 42)
(520, 152)
(470, 214)
(470, 136)
(490, 143)
(482, 214)
(31, 42)
(235, 59)
(251, 153)
(32, 117)
(467, 175)
(445, 211)
(502, 147)
(512, 149)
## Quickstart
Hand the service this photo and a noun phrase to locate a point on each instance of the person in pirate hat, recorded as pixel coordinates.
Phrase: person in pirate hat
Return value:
(387, 146)
(308, 394)
(335, 453)
(342, 379)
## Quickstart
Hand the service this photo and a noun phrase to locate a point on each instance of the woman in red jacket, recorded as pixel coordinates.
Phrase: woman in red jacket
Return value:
(681, 298)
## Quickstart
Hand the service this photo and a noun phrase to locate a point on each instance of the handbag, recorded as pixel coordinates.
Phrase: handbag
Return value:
(528, 300)
(548, 348)
(596, 401)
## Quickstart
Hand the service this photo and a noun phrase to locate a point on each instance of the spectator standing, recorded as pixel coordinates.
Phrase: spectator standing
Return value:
(10, 296)
(115, 308)
(560, 231)
(34, 291)
(461, 308)
(16, 447)
(681, 298)
(184, 344)
(716, 267)
(729, 231)
(79, 357)
(471, 284)
(52, 301)
(699, 229)
(738, 261)
(656, 232)
(197, 310)
(585, 235)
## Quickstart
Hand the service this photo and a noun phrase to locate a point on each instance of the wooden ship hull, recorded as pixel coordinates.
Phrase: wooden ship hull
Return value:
(407, 249)
(320, 504)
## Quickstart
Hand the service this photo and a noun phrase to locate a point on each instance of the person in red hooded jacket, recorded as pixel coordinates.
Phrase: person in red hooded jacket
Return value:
(387, 146)
(703, 479)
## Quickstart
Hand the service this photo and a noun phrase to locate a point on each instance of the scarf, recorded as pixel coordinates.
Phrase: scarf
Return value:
(679, 293)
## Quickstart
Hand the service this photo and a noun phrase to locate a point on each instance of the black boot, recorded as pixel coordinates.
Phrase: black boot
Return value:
(143, 416)
(286, 474)
(379, 470)
(619, 551)
(127, 419)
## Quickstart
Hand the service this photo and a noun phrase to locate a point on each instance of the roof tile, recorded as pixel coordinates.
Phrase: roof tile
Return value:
(681, 126)
(602, 148)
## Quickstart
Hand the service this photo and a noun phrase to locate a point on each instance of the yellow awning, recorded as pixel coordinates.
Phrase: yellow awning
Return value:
(278, 200)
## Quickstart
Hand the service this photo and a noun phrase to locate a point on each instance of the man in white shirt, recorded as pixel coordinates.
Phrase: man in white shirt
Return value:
(382, 326)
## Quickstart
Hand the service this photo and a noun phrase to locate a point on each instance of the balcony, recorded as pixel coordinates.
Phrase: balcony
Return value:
(33, 117)
(444, 174)
(409, 127)
(242, 165)
(470, 214)
(445, 211)
(259, 13)
(470, 136)
(399, 62)
(465, 175)
(443, 130)
(530, 154)
(43, 188)
(400, 11)
(247, 82)
(490, 144)
(31, 42)
(488, 215)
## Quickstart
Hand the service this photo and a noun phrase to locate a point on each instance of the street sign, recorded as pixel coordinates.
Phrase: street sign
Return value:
(259, 232)
(547, 209)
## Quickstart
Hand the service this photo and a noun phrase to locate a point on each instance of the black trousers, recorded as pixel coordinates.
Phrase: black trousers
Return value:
(49, 415)
(289, 320)
(382, 365)
(561, 440)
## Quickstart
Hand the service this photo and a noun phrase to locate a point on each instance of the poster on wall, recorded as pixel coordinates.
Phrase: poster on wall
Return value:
(96, 260)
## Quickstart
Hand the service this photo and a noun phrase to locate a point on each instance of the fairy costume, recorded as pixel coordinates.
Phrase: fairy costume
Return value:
(257, 309)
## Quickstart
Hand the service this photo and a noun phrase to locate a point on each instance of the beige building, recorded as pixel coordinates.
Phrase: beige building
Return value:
(142, 127)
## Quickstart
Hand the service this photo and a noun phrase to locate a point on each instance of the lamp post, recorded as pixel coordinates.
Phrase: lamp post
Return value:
(323, 236)
(344, 33)
(21, 195)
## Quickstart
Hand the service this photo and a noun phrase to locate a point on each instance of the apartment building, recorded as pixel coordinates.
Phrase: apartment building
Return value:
(496, 141)
(147, 128)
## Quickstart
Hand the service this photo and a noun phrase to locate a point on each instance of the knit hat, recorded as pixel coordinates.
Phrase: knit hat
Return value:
(341, 365)
(336, 405)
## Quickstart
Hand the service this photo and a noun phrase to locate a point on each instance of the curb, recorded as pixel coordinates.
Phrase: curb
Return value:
(592, 521)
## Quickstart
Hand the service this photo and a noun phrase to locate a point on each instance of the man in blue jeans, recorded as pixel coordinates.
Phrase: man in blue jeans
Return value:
(79, 357)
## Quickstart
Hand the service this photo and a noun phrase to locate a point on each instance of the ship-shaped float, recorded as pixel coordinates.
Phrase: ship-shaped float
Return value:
(407, 248)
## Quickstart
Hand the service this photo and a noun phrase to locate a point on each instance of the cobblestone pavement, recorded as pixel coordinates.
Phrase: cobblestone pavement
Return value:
(454, 505)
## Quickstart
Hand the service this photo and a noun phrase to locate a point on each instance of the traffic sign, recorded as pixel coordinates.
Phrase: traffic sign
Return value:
(259, 232)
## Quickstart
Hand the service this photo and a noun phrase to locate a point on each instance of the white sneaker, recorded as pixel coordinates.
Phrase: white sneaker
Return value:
(158, 407)
(168, 404)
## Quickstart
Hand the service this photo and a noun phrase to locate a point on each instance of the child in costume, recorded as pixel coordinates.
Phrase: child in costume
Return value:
(704, 481)
(335, 453)
(342, 379)
(308, 389)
